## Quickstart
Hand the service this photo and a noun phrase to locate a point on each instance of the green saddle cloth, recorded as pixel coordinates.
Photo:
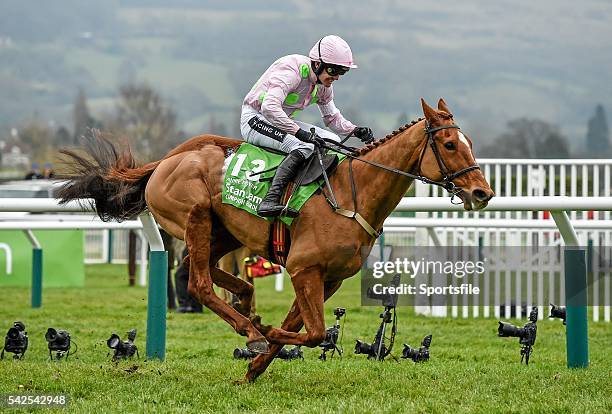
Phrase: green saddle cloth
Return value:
(246, 192)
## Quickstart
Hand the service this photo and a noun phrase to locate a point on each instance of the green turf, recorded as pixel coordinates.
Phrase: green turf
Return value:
(471, 370)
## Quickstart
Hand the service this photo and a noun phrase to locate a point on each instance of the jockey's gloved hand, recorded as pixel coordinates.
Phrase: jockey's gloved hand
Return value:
(364, 134)
(302, 135)
(318, 141)
(308, 137)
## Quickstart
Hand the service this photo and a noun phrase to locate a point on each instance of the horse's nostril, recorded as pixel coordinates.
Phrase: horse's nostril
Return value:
(480, 195)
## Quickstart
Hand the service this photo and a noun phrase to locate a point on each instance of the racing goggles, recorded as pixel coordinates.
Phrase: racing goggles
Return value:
(335, 70)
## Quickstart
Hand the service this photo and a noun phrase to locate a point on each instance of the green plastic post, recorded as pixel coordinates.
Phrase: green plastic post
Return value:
(577, 331)
(156, 305)
(37, 259)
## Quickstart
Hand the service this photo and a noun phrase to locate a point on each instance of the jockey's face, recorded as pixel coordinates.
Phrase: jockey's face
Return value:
(326, 78)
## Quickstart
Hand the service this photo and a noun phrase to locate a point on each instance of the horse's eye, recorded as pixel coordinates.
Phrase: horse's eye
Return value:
(449, 146)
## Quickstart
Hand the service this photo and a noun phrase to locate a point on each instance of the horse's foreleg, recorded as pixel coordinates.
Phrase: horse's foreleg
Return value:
(197, 237)
(292, 323)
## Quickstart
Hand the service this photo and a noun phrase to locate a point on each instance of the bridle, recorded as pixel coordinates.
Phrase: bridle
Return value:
(447, 176)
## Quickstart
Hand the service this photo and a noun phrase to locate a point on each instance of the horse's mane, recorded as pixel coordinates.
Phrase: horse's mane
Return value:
(369, 147)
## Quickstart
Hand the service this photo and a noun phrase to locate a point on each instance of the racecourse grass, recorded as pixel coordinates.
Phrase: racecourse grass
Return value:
(471, 370)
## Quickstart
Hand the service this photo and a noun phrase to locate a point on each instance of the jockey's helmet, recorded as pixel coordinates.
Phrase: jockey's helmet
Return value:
(332, 50)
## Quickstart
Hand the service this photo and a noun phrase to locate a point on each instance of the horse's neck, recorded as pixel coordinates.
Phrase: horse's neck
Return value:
(380, 191)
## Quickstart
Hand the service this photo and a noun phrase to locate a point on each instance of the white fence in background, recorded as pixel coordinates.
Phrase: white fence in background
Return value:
(102, 246)
(516, 178)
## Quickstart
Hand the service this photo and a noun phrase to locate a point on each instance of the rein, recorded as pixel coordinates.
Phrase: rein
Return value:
(446, 182)
(447, 177)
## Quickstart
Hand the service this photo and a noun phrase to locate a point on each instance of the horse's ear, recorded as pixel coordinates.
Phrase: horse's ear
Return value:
(430, 113)
(443, 107)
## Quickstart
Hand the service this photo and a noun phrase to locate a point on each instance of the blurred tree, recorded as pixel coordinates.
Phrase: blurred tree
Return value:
(142, 115)
(62, 137)
(528, 138)
(597, 138)
(38, 138)
(402, 119)
(81, 117)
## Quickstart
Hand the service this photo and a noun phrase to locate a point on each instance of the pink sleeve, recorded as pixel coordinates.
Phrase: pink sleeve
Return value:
(331, 115)
(282, 82)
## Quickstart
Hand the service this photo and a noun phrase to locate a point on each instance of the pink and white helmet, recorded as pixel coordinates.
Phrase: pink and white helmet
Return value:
(332, 50)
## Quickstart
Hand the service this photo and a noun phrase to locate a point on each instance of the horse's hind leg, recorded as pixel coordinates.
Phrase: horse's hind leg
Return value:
(222, 243)
(237, 286)
(198, 238)
(292, 323)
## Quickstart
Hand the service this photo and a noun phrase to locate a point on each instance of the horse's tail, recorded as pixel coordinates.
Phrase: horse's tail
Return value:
(108, 175)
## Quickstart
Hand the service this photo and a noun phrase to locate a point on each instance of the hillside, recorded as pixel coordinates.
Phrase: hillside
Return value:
(491, 61)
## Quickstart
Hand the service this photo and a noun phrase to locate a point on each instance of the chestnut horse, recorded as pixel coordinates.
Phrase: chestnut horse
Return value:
(183, 192)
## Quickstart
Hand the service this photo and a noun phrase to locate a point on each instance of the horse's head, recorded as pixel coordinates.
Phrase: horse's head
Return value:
(447, 157)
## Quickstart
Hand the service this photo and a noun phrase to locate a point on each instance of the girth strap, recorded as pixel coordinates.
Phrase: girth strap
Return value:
(366, 226)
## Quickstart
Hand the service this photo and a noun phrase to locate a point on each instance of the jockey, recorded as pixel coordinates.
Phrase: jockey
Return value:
(288, 86)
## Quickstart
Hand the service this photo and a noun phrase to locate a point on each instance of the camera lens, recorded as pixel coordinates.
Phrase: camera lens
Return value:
(408, 352)
(13, 333)
(51, 335)
(113, 341)
(557, 312)
(362, 347)
(507, 329)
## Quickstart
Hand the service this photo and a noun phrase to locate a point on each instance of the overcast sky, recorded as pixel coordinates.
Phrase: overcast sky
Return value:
(491, 60)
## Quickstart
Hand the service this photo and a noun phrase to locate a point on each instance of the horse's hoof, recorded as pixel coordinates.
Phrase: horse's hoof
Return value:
(259, 346)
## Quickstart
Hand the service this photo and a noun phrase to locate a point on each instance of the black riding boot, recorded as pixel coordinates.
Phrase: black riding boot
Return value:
(270, 206)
